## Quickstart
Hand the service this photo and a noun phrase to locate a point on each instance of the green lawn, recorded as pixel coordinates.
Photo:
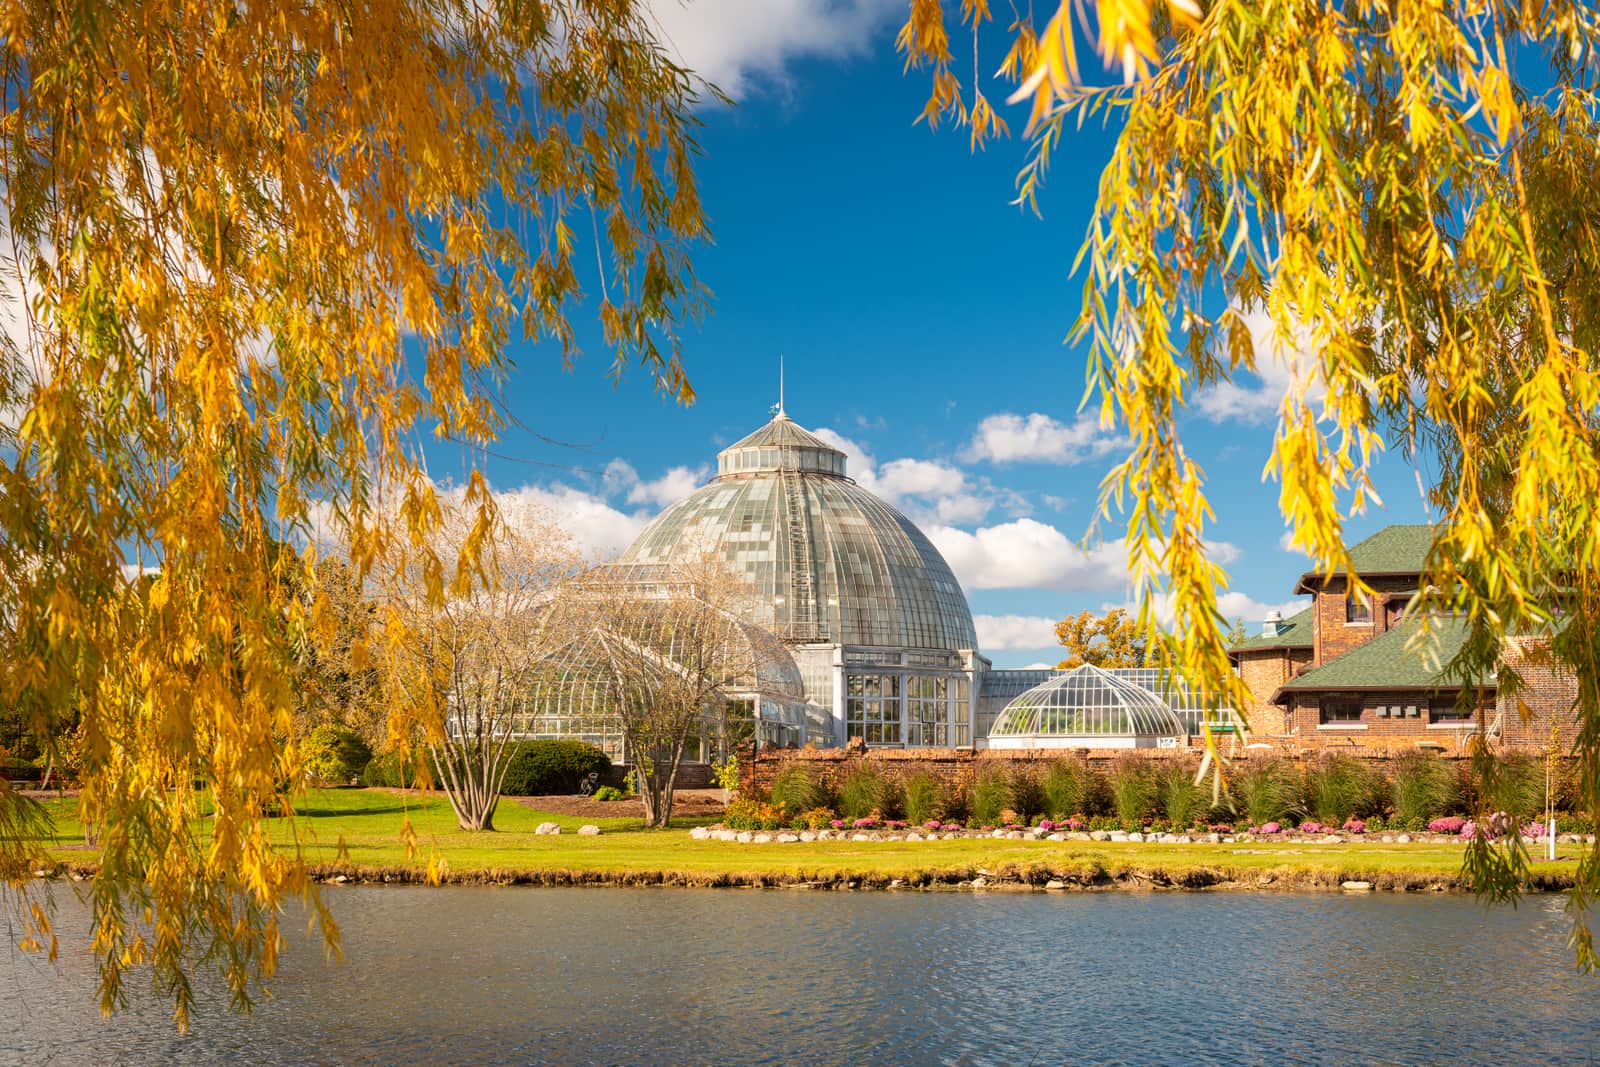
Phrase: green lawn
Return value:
(366, 824)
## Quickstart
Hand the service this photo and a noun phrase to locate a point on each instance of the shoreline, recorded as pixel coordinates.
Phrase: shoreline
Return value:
(1015, 878)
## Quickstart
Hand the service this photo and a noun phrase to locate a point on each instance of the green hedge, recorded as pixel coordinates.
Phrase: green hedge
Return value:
(394, 770)
(335, 754)
(544, 768)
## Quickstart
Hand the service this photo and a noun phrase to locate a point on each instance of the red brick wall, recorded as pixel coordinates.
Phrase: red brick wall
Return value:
(1263, 671)
(1374, 731)
(1543, 711)
(1334, 636)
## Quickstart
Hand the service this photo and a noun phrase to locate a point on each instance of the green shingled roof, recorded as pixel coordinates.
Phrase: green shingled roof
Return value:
(1296, 632)
(1385, 663)
(1399, 549)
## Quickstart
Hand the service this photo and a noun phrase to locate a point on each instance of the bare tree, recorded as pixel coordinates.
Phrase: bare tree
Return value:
(664, 650)
(471, 659)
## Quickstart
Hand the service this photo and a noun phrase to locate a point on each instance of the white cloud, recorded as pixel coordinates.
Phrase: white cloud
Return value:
(1232, 605)
(599, 530)
(929, 491)
(1038, 438)
(1286, 542)
(620, 479)
(738, 44)
(1037, 667)
(998, 633)
(1028, 554)
(1280, 369)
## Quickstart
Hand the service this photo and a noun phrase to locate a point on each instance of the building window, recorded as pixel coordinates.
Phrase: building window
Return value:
(1341, 710)
(1357, 609)
(872, 708)
(1448, 711)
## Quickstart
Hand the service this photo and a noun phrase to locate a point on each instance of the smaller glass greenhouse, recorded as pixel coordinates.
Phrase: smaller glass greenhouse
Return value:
(1087, 707)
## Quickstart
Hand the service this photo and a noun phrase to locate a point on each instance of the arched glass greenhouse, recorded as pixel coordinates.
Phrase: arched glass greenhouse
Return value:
(1087, 708)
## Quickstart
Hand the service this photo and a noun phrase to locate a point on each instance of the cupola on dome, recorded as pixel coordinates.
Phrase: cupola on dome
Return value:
(830, 563)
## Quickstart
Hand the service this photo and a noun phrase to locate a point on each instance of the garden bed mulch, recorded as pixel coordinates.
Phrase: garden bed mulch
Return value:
(686, 803)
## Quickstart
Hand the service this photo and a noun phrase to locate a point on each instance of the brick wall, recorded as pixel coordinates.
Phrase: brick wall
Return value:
(1543, 711)
(1263, 671)
(1333, 636)
(1379, 732)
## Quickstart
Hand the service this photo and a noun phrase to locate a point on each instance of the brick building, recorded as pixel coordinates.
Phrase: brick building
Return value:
(1356, 671)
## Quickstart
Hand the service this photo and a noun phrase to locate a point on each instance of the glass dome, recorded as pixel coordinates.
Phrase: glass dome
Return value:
(830, 562)
(1087, 707)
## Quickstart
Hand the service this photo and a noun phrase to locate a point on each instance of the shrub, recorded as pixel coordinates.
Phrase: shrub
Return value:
(1423, 787)
(861, 794)
(1339, 788)
(334, 754)
(543, 768)
(397, 770)
(1264, 792)
(1133, 792)
(1070, 788)
(752, 815)
(608, 793)
(924, 798)
(957, 804)
(1515, 785)
(815, 819)
(1027, 794)
(1450, 824)
(795, 790)
(991, 794)
(1181, 800)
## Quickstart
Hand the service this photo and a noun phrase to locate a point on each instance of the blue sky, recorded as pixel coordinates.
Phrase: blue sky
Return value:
(921, 317)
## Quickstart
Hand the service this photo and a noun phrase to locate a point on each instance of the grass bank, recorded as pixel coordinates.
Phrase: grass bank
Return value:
(355, 834)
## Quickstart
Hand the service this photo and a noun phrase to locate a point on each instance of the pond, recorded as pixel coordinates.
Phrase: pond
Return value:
(572, 976)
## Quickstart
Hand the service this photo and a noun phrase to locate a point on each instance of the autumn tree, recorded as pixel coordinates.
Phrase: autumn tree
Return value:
(257, 254)
(466, 663)
(1110, 640)
(1401, 196)
(665, 650)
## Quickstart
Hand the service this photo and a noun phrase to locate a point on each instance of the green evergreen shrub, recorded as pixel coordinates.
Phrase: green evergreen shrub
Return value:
(796, 790)
(1423, 787)
(397, 770)
(608, 793)
(552, 767)
(924, 798)
(1264, 791)
(334, 754)
(990, 795)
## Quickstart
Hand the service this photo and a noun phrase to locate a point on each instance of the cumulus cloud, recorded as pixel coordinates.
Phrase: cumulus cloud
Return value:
(1038, 438)
(999, 633)
(741, 44)
(1280, 369)
(600, 531)
(1232, 605)
(929, 491)
(678, 482)
(1028, 554)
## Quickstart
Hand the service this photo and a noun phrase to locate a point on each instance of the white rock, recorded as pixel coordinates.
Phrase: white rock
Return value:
(589, 830)
(1403, 839)
(808, 836)
(1055, 884)
(788, 839)
(745, 837)
(1099, 835)
(979, 883)
(700, 833)
(1214, 838)
(997, 833)
(1079, 835)
(1356, 887)
(913, 837)
(1133, 836)
(761, 839)
(861, 837)
(727, 835)
(548, 828)
(932, 837)
(1015, 835)
(1333, 839)
(1056, 837)
(1387, 839)
(824, 835)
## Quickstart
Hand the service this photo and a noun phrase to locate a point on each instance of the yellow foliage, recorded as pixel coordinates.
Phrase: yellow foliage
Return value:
(263, 250)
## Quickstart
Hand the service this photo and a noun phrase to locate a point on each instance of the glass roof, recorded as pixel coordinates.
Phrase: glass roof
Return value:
(1088, 702)
(829, 562)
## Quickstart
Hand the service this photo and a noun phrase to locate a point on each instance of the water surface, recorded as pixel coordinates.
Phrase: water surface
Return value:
(575, 976)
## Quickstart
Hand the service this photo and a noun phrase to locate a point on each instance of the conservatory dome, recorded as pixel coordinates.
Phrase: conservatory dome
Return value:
(1087, 707)
(830, 562)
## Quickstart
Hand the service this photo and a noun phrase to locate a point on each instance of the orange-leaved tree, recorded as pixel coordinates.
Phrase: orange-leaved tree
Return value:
(254, 255)
(1110, 640)
(1396, 198)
